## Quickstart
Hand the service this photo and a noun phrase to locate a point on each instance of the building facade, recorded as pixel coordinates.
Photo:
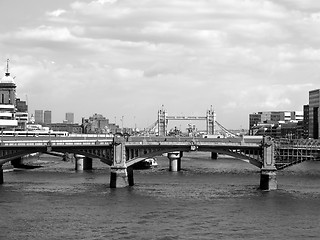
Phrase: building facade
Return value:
(47, 117)
(65, 127)
(314, 103)
(22, 115)
(277, 124)
(7, 101)
(305, 121)
(69, 118)
(38, 116)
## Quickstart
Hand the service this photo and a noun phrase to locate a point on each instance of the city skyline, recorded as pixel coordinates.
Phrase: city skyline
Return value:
(128, 58)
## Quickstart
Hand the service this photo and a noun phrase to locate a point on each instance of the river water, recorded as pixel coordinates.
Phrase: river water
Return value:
(208, 199)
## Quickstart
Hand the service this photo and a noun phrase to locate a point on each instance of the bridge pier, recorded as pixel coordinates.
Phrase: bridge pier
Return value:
(1, 174)
(82, 163)
(268, 175)
(175, 161)
(214, 155)
(120, 175)
(268, 179)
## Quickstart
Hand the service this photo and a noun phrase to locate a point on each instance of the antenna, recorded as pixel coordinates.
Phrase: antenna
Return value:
(7, 72)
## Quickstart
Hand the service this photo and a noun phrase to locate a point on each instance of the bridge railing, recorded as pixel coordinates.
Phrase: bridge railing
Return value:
(298, 143)
(55, 142)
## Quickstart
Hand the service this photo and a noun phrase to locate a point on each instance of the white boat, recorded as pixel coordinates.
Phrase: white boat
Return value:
(146, 164)
(152, 162)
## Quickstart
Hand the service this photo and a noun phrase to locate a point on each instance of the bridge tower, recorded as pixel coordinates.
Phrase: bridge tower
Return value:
(8, 101)
(268, 177)
(162, 122)
(120, 175)
(211, 121)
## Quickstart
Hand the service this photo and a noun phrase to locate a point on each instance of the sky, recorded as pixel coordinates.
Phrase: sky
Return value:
(127, 59)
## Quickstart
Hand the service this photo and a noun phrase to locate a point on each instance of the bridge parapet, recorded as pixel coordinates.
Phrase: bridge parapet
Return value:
(55, 142)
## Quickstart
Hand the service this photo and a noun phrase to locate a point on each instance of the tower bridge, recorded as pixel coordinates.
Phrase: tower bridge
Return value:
(163, 119)
(121, 153)
(160, 126)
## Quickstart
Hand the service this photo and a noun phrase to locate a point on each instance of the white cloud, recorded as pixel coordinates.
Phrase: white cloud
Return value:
(45, 33)
(249, 54)
(56, 13)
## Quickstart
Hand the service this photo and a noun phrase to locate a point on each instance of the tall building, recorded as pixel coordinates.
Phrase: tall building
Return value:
(305, 121)
(7, 101)
(47, 117)
(21, 114)
(314, 103)
(70, 117)
(38, 116)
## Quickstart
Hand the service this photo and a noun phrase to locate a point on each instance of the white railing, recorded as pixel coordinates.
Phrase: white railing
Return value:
(56, 142)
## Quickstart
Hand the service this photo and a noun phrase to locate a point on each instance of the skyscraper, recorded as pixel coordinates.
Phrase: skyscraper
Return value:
(314, 103)
(47, 117)
(70, 117)
(38, 116)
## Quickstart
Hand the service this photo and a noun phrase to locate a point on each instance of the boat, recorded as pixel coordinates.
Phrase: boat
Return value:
(146, 164)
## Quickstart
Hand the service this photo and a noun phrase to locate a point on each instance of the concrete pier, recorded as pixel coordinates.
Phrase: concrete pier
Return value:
(83, 163)
(268, 175)
(268, 179)
(130, 176)
(119, 177)
(1, 174)
(175, 161)
(214, 155)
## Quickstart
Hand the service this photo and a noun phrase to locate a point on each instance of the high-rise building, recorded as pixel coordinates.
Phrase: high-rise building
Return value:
(305, 121)
(7, 101)
(38, 116)
(47, 117)
(70, 117)
(22, 114)
(314, 103)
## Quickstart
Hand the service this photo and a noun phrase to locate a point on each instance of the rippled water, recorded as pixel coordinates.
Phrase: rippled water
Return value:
(208, 199)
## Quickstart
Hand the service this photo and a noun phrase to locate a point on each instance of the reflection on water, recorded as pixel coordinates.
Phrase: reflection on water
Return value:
(208, 199)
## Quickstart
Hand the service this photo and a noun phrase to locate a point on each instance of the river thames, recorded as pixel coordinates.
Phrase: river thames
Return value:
(207, 199)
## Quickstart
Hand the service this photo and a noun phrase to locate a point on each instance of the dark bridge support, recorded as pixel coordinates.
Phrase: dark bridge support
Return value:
(214, 155)
(82, 163)
(17, 162)
(268, 177)
(1, 175)
(120, 175)
(175, 161)
(268, 180)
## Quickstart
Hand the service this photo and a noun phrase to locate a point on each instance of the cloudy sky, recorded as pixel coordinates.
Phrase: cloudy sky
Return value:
(130, 57)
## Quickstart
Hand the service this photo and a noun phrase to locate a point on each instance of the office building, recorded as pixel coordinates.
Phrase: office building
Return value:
(38, 116)
(277, 124)
(314, 103)
(305, 121)
(70, 118)
(21, 114)
(47, 117)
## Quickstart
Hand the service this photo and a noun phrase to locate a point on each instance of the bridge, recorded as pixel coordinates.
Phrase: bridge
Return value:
(122, 153)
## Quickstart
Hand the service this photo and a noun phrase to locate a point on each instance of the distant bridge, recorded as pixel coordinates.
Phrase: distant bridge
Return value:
(160, 126)
(122, 153)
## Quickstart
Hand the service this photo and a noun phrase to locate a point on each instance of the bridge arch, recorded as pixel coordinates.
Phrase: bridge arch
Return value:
(236, 155)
